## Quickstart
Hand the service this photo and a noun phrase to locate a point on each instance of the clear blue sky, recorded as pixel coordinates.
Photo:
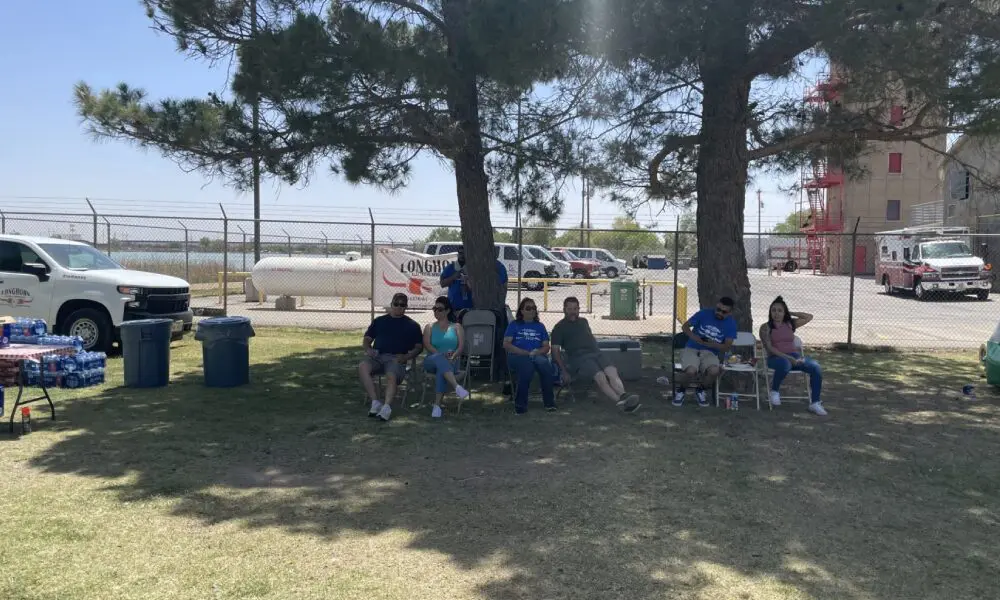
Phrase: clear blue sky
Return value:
(47, 47)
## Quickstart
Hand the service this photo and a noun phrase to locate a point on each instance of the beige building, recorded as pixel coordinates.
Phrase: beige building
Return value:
(897, 177)
(971, 185)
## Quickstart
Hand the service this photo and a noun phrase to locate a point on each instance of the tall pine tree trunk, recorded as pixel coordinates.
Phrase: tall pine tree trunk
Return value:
(469, 160)
(721, 184)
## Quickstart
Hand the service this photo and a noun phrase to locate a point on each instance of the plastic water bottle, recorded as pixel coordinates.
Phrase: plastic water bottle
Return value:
(32, 372)
(72, 380)
(69, 364)
(77, 342)
(734, 402)
(39, 327)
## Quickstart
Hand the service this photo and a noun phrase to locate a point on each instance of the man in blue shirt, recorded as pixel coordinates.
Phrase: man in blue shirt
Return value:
(710, 333)
(390, 342)
(455, 278)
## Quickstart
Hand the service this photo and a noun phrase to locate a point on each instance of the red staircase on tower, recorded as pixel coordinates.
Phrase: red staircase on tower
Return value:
(823, 187)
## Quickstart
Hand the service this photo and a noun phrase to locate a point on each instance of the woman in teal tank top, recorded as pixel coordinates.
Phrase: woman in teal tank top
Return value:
(443, 341)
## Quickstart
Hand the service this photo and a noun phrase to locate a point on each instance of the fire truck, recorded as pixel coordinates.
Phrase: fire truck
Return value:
(931, 262)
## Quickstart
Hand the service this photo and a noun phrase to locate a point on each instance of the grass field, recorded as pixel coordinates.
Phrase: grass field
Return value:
(285, 489)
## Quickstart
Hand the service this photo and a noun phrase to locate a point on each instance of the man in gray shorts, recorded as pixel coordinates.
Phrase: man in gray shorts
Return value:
(578, 357)
(391, 341)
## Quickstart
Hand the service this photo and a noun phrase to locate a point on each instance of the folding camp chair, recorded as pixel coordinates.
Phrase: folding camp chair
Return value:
(559, 388)
(769, 374)
(480, 340)
(745, 345)
(402, 390)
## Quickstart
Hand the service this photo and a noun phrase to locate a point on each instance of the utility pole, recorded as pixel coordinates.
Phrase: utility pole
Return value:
(583, 207)
(255, 150)
(760, 240)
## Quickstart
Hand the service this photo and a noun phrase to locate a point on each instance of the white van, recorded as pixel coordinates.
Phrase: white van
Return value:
(80, 291)
(563, 268)
(531, 267)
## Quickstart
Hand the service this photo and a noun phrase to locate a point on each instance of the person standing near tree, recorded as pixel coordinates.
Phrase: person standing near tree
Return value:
(455, 279)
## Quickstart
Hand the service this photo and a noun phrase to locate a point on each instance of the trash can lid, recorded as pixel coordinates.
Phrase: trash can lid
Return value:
(223, 322)
(147, 323)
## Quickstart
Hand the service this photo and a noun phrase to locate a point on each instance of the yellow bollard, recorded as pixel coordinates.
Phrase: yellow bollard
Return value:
(343, 302)
(545, 296)
(590, 299)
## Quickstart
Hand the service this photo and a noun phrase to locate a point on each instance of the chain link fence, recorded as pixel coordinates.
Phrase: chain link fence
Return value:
(321, 274)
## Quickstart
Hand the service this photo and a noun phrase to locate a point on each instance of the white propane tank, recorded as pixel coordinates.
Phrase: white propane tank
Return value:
(314, 277)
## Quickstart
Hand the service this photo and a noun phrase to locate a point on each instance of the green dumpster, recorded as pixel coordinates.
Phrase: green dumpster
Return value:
(624, 295)
(991, 359)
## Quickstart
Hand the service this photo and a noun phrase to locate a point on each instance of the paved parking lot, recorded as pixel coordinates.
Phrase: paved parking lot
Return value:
(878, 319)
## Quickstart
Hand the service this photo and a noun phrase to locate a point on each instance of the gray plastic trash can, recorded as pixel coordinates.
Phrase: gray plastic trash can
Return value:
(146, 352)
(225, 350)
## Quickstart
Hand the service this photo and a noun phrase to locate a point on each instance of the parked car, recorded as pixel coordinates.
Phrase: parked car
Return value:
(929, 261)
(531, 267)
(581, 267)
(79, 291)
(563, 268)
(610, 265)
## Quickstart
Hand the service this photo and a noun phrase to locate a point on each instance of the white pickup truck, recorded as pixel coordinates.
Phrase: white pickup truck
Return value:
(80, 291)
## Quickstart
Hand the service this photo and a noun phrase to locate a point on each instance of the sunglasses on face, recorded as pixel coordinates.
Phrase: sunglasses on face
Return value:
(528, 309)
(399, 305)
(439, 309)
(722, 311)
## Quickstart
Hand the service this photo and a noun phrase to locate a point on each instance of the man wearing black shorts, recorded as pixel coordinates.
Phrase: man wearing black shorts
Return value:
(390, 342)
(578, 357)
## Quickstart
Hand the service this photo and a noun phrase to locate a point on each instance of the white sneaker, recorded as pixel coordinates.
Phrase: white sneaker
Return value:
(385, 413)
(817, 407)
(461, 392)
(702, 398)
(376, 406)
(775, 398)
(436, 412)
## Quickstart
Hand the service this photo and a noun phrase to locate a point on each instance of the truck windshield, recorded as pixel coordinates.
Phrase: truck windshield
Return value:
(944, 250)
(79, 257)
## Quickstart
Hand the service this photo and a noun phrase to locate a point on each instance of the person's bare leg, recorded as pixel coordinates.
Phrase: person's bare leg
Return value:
(602, 384)
(710, 376)
(390, 388)
(615, 380)
(365, 373)
(686, 377)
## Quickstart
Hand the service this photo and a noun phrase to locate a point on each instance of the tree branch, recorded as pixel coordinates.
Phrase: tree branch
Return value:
(418, 9)
(673, 144)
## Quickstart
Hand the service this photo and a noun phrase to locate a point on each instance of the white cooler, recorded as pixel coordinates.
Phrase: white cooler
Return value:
(625, 355)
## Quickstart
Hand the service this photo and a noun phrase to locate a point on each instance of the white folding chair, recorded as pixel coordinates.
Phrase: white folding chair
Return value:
(745, 345)
(769, 374)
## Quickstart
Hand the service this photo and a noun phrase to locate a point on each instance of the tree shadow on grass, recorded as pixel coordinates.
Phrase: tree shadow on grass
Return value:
(894, 496)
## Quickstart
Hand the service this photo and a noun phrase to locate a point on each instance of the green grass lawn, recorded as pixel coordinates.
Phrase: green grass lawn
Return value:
(285, 489)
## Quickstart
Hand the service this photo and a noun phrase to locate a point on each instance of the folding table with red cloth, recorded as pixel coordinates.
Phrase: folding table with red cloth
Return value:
(12, 361)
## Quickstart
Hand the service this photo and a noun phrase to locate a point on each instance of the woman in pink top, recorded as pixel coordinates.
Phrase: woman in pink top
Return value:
(783, 356)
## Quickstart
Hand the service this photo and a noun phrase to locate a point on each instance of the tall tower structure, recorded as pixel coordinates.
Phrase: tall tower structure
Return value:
(897, 177)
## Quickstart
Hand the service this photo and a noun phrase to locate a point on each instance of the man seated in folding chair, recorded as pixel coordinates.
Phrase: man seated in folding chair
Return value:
(444, 341)
(783, 356)
(578, 357)
(527, 344)
(390, 342)
(710, 333)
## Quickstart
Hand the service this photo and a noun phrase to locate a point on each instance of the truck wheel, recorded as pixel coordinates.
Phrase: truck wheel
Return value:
(887, 284)
(533, 287)
(93, 326)
(983, 295)
(919, 291)
(579, 274)
(612, 273)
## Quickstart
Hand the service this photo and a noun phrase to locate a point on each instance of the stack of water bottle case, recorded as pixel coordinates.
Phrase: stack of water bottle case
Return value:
(68, 370)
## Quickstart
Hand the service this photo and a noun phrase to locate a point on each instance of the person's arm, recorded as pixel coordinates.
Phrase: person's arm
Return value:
(460, 332)
(765, 339)
(369, 339)
(688, 330)
(557, 354)
(801, 318)
(544, 349)
(449, 275)
(427, 340)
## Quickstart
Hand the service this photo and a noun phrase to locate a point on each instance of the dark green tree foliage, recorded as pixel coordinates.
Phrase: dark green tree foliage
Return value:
(706, 90)
(366, 85)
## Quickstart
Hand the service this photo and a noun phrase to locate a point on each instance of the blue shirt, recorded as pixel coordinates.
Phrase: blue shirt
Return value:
(394, 335)
(528, 335)
(705, 325)
(457, 296)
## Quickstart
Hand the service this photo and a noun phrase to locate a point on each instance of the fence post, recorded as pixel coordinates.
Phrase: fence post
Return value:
(3, 222)
(95, 220)
(326, 246)
(371, 217)
(673, 318)
(225, 261)
(520, 252)
(289, 241)
(243, 247)
(187, 256)
(108, 223)
(850, 300)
